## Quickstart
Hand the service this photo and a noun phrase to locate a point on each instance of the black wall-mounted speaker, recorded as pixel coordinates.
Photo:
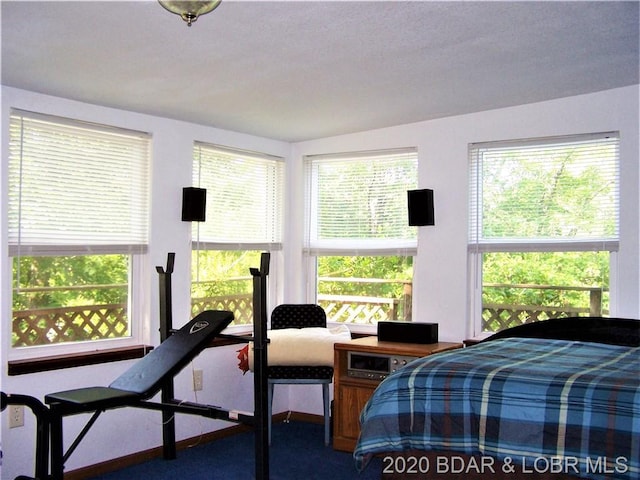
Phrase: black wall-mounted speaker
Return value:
(420, 205)
(194, 202)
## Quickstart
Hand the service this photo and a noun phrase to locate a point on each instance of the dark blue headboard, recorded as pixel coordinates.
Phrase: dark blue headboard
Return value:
(615, 331)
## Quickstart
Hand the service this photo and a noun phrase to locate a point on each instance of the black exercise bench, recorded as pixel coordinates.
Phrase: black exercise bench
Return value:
(154, 374)
(138, 384)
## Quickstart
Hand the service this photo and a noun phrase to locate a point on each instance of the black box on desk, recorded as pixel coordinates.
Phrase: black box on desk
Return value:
(408, 332)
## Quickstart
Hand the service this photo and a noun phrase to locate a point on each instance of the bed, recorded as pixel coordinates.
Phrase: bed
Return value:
(555, 399)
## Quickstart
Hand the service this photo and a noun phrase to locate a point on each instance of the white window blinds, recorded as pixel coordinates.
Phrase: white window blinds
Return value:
(358, 202)
(559, 194)
(75, 187)
(244, 198)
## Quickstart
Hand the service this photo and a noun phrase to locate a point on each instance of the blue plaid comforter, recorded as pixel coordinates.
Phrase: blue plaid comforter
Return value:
(519, 400)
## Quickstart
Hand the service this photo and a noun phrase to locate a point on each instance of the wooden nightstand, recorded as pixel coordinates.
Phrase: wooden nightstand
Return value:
(353, 387)
(477, 339)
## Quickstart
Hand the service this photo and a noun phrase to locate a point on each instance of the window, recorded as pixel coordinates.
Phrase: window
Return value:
(543, 228)
(243, 218)
(78, 209)
(358, 241)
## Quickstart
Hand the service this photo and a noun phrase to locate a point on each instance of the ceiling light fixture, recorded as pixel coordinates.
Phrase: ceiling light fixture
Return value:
(188, 10)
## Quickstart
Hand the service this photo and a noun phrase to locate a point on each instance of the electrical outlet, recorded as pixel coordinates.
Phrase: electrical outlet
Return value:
(197, 380)
(16, 416)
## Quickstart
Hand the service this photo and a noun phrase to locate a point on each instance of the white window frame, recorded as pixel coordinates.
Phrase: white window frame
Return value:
(270, 237)
(137, 307)
(314, 247)
(479, 245)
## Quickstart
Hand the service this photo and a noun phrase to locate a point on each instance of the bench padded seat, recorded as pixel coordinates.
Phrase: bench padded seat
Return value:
(146, 377)
(87, 398)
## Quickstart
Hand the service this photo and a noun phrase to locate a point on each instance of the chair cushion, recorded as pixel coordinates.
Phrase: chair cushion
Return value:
(303, 346)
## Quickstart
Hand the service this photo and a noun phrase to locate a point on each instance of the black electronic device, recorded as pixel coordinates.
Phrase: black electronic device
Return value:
(408, 332)
(375, 366)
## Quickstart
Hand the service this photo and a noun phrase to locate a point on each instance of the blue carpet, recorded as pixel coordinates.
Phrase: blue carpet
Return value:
(297, 452)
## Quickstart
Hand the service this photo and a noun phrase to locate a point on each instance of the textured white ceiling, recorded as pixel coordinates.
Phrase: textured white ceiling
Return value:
(302, 70)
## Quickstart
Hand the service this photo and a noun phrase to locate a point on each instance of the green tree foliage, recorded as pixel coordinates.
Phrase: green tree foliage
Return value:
(222, 272)
(545, 199)
(388, 277)
(396, 270)
(553, 269)
(50, 282)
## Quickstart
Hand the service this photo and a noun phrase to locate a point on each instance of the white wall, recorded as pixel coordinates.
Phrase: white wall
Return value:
(440, 282)
(440, 275)
(128, 430)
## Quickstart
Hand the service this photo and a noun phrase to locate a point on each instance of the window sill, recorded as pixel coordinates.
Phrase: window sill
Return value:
(59, 362)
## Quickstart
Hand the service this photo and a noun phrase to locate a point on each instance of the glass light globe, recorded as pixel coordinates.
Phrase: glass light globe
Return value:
(189, 10)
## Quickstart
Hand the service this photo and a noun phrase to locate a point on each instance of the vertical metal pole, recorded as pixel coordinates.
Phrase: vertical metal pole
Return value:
(42, 446)
(260, 383)
(43, 421)
(166, 326)
(57, 449)
(166, 313)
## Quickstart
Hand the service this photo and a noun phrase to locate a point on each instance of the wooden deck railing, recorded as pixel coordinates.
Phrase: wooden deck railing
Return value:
(95, 322)
(497, 317)
(240, 304)
(69, 324)
(339, 308)
(360, 310)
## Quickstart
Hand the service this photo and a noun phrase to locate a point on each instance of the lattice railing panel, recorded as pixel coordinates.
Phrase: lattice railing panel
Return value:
(96, 322)
(241, 305)
(359, 310)
(497, 317)
(69, 324)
